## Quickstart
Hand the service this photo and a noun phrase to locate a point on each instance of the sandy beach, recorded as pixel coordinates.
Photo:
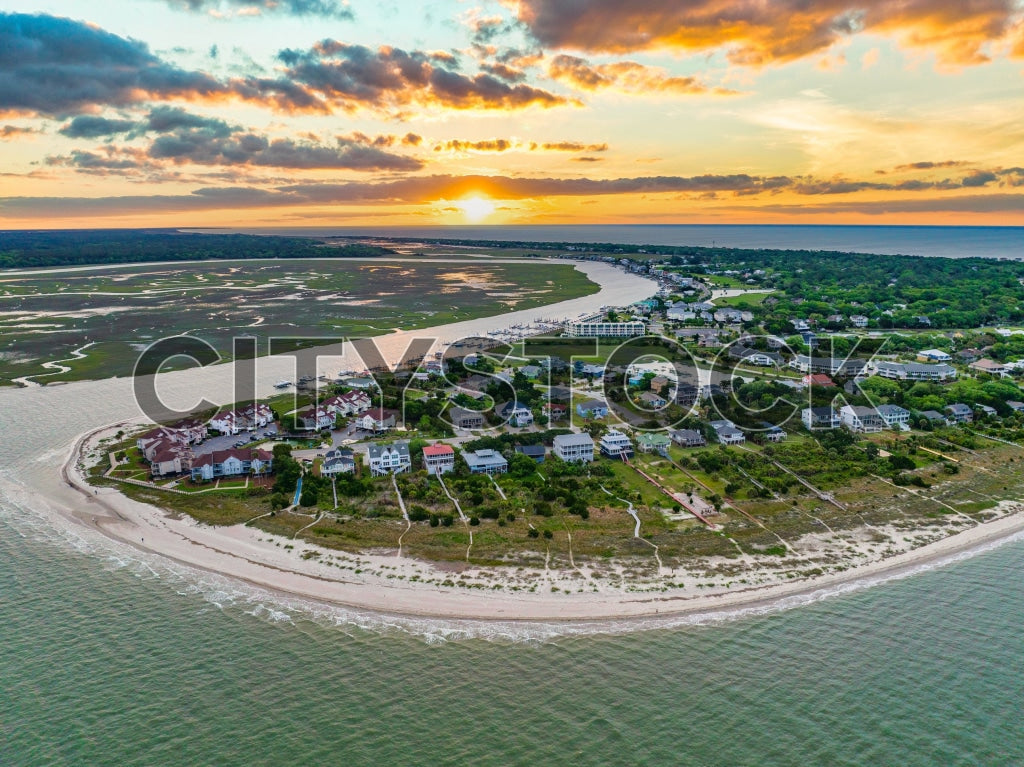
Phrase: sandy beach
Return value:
(409, 587)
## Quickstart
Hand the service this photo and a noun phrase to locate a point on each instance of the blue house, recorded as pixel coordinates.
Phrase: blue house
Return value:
(592, 409)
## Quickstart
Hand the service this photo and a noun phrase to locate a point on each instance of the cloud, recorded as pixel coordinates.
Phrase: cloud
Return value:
(915, 166)
(504, 71)
(570, 146)
(627, 76)
(8, 132)
(186, 138)
(754, 32)
(353, 76)
(91, 126)
(56, 67)
(223, 8)
(487, 145)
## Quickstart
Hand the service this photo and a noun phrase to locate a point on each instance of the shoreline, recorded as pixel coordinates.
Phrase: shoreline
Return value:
(258, 559)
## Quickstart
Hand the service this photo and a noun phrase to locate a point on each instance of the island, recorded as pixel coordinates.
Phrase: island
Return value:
(759, 426)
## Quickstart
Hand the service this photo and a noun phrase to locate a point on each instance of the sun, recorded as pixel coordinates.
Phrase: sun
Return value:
(475, 208)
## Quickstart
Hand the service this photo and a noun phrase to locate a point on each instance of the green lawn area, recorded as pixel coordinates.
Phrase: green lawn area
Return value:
(750, 299)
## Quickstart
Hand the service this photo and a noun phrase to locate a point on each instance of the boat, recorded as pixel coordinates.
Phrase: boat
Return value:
(282, 384)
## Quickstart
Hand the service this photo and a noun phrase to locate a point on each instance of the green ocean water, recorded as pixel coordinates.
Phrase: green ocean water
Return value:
(109, 661)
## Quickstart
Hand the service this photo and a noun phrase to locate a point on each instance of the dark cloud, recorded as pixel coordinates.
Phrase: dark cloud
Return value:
(91, 126)
(324, 8)
(487, 145)
(352, 76)
(756, 32)
(570, 146)
(55, 66)
(929, 165)
(186, 138)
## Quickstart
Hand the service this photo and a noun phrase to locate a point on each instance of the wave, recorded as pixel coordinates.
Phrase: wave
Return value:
(28, 515)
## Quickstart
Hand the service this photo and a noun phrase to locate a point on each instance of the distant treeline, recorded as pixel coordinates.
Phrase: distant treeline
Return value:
(27, 249)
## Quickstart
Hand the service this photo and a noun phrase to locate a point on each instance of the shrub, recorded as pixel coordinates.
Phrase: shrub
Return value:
(474, 521)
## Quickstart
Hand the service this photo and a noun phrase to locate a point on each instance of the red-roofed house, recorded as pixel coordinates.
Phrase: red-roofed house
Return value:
(439, 458)
(818, 379)
(377, 420)
(231, 463)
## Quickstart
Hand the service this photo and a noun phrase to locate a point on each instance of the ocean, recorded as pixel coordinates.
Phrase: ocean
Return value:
(112, 656)
(944, 241)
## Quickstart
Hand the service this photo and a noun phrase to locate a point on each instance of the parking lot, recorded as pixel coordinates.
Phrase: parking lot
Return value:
(227, 441)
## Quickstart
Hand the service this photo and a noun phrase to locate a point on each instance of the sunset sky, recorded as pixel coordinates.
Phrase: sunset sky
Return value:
(321, 112)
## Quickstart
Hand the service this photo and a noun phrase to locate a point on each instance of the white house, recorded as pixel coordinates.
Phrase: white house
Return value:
(915, 371)
(377, 420)
(517, 414)
(727, 433)
(934, 355)
(439, 459)
(895, 417)
(231, 463)
(858, 418)
(338, 461)
(389, 459)
(574, 448)
(820, 418)
(615, 444)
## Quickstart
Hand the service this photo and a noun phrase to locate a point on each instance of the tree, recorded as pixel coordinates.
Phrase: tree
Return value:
(521, 466)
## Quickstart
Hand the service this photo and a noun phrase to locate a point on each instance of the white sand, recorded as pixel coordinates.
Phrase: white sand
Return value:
(382, 583)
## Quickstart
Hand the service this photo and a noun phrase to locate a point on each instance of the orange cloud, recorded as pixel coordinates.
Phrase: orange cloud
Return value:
(628, 76)
(756, 33)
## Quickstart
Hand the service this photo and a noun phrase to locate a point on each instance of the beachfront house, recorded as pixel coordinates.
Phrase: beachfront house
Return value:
(231, 463)
(485, 462)
(727, 433)
(534, 452)
(860, 419)
(338, 461)
(574, 448)
(894, 416)
(820, 418)
(653, 442)
(688, 438)
(960, 413)
(389, 459)
(439, 459)
(934, 417)
(615, 444)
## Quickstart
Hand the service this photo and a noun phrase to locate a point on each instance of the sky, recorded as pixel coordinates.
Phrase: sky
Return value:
(359, 112)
